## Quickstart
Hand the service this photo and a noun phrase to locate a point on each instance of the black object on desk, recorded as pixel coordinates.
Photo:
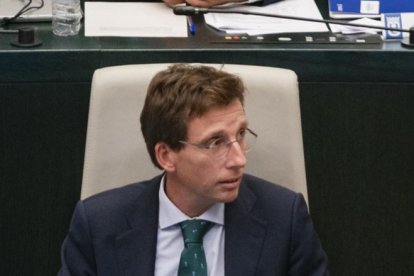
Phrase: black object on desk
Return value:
(189, 10)
(301, 38)
(409, 42)
(26, 38)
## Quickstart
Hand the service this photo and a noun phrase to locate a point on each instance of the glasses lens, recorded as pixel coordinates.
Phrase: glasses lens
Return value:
(246, 142)
(249, 140)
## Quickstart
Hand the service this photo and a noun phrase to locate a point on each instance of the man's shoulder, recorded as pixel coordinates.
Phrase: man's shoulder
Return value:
(124, 196)
(260, 185)
(267, 195)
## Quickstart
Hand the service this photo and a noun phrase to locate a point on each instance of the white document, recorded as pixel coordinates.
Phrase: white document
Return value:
(133, 19)
(336, 28)
(390, 20)
(255, 25)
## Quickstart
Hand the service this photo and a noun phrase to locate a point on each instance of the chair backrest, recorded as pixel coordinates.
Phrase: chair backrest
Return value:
(116, 154)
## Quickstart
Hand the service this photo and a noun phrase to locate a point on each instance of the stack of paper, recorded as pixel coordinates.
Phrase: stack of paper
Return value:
(344, 29)
(133, 20)
(256, 25)
(397, 14)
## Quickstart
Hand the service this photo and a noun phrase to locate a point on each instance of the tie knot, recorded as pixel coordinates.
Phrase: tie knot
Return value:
(194, 230)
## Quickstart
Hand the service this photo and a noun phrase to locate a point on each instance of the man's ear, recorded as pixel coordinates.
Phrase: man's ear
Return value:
(165, 156)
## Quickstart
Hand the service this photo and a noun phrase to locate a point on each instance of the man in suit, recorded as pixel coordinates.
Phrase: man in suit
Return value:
(196, 131)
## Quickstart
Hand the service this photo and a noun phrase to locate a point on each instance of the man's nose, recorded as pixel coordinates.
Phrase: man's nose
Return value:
(236, 157)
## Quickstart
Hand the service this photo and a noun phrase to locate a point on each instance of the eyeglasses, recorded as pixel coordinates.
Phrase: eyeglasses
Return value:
(220, 146)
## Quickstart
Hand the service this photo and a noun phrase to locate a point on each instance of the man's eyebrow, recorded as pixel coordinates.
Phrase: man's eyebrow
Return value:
(212, 135)
(219, 133)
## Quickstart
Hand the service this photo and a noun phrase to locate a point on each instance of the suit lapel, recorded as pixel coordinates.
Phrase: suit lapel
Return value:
(244, 236)
(136, 248)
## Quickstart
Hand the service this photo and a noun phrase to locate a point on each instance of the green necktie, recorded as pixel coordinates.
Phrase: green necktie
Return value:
(193, 260)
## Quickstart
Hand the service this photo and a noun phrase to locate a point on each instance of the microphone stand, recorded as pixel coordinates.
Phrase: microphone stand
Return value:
(188, 10)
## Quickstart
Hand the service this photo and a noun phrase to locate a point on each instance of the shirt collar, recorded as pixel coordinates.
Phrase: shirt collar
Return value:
(170, 215)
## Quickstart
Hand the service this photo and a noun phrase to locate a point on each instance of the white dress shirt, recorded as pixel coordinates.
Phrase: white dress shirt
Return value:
(170, 240)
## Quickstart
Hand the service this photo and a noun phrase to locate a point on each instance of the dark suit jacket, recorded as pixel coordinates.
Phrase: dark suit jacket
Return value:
(268, 232)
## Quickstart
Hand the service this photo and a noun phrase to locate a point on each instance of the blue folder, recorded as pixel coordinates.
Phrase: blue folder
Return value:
(374, 6)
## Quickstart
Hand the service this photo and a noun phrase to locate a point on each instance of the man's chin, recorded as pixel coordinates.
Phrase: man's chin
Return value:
(230, 195)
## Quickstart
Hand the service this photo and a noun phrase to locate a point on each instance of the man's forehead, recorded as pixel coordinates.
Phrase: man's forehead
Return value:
(217, 121)
(221, 113)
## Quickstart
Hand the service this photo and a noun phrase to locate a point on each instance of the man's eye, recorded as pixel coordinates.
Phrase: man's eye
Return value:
(242, 133)
(216, 142)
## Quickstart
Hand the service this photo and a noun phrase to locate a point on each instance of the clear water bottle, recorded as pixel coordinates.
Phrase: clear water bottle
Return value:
(67, 15)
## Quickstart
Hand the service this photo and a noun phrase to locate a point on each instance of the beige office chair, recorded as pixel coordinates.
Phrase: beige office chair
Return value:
(115, 150)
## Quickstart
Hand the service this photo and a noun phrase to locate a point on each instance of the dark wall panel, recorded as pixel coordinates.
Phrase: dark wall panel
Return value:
(359, 160)
(42, 140)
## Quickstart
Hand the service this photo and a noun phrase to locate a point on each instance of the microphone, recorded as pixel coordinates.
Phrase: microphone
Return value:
(189, 10)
